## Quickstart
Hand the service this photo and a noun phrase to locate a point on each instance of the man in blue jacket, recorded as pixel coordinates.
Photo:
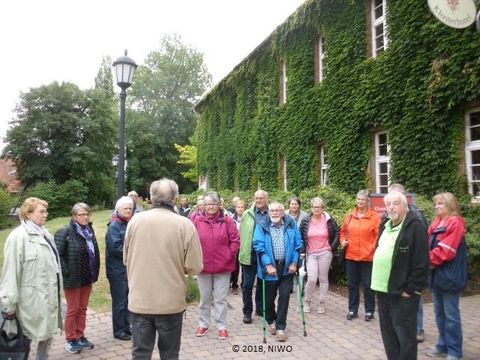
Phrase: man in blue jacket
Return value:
(277, 242)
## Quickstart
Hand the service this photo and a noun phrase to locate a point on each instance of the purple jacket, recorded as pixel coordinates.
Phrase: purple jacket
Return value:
(220, 242)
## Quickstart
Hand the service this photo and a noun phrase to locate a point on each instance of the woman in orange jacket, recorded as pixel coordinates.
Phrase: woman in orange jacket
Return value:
(359, 235)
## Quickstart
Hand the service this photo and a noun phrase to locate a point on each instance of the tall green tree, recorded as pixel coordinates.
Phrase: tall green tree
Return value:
(62, 133)
(163, 93)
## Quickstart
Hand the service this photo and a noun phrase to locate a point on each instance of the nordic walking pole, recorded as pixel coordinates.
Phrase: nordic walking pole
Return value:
(264, 321)
(300, 299)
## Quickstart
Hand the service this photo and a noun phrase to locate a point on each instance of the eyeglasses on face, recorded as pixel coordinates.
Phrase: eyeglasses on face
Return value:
(275, 210)
(212, 204)
(85, 215)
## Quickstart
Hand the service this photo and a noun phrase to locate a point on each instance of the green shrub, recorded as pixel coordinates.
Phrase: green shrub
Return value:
(6, 204)
(193, 294)
(60, 197)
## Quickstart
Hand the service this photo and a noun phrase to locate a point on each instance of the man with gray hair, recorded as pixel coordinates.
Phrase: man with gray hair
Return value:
(136, 206)
(419, 215)
(161, 247)
(399, 275)
(277, 242)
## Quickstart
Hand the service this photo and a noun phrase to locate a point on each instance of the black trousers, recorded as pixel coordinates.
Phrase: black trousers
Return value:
(283, 286)
(144, 329)
(398, 325)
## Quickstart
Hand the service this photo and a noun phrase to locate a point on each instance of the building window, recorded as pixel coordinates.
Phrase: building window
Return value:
(382, 162)
(321, 58)
(323, 166)
(283, 82)
(472, 148)
(379, 27)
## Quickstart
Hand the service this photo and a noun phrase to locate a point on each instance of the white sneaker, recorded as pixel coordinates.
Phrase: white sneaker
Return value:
(306, 307)
(281, 337)
(321, 308)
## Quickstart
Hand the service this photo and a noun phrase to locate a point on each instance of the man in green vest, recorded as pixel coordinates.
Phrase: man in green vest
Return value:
(248, 257)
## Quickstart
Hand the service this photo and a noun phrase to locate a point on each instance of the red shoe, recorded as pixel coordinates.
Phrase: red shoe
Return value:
(201, 331)
(222, 334)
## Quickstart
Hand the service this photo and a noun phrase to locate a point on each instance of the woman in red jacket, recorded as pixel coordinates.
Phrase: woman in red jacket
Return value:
(359, 234)
(448, 261)
(220, 242)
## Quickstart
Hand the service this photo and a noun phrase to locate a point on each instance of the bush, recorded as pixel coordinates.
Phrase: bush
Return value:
(60, 198)
(193, 294)
(6, 204)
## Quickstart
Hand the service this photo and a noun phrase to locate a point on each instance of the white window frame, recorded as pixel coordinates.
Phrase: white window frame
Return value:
(380, 21)
(469, 147)
(380, 159)
(283, 69)
(321, 57)
(323, 167)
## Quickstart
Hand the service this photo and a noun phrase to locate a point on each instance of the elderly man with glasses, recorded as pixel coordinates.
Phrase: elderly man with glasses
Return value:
(277, 242)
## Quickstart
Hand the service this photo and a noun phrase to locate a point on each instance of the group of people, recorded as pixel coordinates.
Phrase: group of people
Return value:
(393, 255)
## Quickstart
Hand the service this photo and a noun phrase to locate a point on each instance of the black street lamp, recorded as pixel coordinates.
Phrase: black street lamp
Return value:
(124, 70)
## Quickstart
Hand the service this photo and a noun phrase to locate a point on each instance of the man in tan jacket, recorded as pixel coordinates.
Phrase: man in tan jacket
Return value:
(161, 247)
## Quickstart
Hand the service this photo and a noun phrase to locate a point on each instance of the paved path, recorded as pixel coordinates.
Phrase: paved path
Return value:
(329, 336)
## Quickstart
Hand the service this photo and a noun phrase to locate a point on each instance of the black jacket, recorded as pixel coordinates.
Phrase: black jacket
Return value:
(333, 232)
(68, 240)
(410, 268)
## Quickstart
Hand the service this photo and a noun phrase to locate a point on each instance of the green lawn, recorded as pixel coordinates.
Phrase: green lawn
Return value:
(100, 298)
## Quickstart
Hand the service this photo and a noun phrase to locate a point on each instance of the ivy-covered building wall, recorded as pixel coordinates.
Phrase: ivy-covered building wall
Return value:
(395, 110)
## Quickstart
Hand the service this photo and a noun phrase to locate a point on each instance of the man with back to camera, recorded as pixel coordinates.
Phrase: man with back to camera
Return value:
(161, 247)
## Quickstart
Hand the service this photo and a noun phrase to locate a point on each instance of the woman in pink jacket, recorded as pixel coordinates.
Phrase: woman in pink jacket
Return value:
(220, 242)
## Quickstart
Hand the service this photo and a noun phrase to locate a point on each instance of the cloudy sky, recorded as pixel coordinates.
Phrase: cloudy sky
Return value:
(64, 40)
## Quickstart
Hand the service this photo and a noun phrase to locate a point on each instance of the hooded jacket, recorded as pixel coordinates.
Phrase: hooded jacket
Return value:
(220, 242)
(262, 243)
(410, 269)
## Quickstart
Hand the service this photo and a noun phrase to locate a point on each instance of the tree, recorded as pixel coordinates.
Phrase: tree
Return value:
(188, 158)
(62, 133)
(162, 97)
(49, 124)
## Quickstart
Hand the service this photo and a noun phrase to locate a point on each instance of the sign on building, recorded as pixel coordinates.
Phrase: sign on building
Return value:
(458, 14)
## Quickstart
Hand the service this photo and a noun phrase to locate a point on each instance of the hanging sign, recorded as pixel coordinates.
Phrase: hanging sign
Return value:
(458, 14)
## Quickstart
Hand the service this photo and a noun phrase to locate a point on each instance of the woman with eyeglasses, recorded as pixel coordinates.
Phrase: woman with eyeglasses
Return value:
(220, 242)
(31, 279)
(80, 261)
(320, 238)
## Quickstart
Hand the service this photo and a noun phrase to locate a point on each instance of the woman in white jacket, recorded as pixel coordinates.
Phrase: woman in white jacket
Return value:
(31, 278)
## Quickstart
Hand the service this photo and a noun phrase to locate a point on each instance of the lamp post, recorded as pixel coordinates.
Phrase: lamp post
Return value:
(124, 70)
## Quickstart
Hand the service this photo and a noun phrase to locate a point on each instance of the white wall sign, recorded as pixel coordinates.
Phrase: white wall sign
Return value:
(458, 14)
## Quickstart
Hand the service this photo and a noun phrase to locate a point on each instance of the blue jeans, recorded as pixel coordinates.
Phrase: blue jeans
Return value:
(120, 313)
(420, 315)
(449, 324)
(144, 330)
(360, 271)
(249, 273)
